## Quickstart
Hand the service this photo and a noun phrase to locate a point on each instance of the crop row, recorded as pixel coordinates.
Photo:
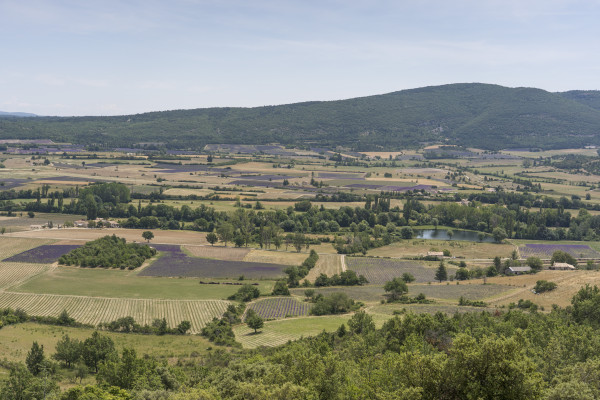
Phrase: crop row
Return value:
(12, 273)
(380, 270)
(266, 338)
(94, 310)
(280, 307)
(9, 246)
(545, 251)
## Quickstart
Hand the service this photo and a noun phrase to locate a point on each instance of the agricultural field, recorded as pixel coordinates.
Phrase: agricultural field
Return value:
(279, 332)
(131, 235)
(453, 291)
(12, 273)
(102, 282)
(173, 262)
(217, 252)
(378, 271)
(45, 254)
(328, 264)
(460, 249)
(280, 307)
(568, 283)
(545, 251)
(94, 310)
(275, 257)
(10, 246)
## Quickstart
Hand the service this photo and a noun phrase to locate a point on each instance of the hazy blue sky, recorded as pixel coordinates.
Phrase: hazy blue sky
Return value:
(78, 57)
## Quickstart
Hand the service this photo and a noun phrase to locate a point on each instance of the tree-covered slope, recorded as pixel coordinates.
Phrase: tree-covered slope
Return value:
(481, 115)
(590, 98)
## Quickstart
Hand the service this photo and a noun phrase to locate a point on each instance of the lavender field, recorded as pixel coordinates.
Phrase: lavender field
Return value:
(280, 307)
(545, 251)
(46, 254)
(175, 263)
(380, 270)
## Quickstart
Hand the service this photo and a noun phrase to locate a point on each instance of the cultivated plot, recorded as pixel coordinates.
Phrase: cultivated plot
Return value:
(545, 251)
(218, 252)
(45, 254)
(94, 310)
(381, 270)
(280, 307)
(175, 263)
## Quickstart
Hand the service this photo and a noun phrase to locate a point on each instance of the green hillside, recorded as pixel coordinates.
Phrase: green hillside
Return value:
(480, 115)
(590, 98)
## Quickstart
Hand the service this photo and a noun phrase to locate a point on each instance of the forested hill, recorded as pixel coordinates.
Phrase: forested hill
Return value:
(480, 115)
(588, 97)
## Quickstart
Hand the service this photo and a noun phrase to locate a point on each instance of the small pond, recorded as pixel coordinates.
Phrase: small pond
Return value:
(442, 234)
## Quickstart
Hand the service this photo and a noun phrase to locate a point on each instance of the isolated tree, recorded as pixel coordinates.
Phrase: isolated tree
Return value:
(450, 233)
(281, 289)
(212, 238)
(499, 234)
(441, 274)
(462, 274)
(535, 263)
(396, 288)
(35, 358)
(68, 350)
(148, 235)
(225, 232)
(361, 322)
(408, 277)
(96, 349)
(254, 321)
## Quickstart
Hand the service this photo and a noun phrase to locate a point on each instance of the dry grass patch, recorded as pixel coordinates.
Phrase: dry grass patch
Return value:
(328, 264)
(131, 235)
(218, 252)
(568, 284)
(275, 257)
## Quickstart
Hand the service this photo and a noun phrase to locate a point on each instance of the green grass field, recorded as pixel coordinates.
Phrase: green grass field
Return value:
(16, 340)
(279, 332)
(125, 284)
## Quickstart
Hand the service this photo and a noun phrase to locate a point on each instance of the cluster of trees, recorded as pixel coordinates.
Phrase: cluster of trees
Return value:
(294, 274)
(346, 278)
(219, 331)
(334, 303)
(158, 327)
(108, 252)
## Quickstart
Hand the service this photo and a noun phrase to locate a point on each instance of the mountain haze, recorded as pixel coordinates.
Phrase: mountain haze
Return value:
(473, 114)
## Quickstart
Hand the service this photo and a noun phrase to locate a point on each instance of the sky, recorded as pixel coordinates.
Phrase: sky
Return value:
(84, 57)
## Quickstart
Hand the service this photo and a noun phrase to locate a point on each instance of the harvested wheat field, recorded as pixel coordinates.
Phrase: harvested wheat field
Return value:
(568, 283)
(218, 252)
(275, 257)
(131, 235)
(328, 264)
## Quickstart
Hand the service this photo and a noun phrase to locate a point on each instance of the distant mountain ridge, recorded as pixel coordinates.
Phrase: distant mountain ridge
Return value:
(16, 114)
(471, 114)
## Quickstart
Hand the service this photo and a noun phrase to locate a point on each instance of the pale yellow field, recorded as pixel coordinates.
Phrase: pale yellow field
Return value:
(94, 310)
(328, 264)
(84, 234)
(218, 252)
(569, 282)
(276, 257)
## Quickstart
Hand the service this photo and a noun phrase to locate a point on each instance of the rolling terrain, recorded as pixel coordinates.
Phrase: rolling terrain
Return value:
(487, 116)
